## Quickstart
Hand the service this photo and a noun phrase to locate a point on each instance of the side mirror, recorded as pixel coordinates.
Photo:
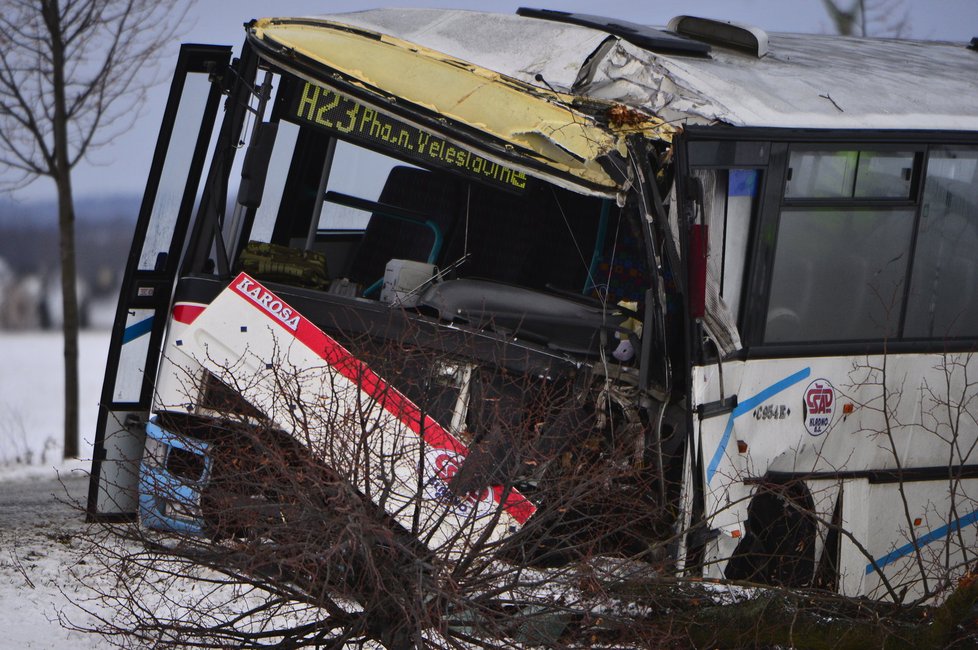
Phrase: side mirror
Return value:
(255, 166)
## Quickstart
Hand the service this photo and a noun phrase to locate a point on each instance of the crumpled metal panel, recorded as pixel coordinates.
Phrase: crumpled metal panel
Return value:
(505, 43)
(806, 81)
(543, 123)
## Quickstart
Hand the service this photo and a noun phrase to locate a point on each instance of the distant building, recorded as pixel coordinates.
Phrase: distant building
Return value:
(20, 304)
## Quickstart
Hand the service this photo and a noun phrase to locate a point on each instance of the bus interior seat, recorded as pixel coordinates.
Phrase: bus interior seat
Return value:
(436, 195)
(495, 235)
(787, 312)
(534, 239)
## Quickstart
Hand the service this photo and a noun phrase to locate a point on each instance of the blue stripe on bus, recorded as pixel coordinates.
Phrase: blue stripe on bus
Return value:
(136, 330)
(922, 541)
(747, 406)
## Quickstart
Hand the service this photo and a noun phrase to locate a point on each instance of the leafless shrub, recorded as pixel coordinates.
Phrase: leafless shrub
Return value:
(311, 518)
(314, 535)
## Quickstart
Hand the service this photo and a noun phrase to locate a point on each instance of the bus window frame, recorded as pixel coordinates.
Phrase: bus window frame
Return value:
(287, 82)
(762, 248)
(911, 203)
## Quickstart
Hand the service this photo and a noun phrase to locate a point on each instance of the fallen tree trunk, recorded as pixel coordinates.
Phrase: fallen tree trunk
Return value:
(802, 620)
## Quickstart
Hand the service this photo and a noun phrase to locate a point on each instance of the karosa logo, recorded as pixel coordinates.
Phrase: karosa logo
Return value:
(267, 301)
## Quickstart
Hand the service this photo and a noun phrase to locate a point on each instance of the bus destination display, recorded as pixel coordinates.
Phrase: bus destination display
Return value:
(338, 113)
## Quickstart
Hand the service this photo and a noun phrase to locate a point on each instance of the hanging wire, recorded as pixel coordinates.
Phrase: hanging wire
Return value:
(570, 231)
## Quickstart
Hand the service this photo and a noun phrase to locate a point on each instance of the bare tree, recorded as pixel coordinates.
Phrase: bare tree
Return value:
(312, 536)
(71, 73)
(317, 534)
(887, 18)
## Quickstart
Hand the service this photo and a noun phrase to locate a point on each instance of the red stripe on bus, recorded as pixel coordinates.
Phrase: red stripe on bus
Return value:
(186, 313)
(389, 398)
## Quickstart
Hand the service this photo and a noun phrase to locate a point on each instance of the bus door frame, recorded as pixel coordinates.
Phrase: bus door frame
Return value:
(147, 286)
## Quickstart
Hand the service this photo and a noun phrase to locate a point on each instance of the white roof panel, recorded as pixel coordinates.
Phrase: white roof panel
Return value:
(505, 43)
(805, 81)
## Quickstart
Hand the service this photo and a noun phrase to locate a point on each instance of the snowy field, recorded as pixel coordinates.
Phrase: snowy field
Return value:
(31, 386)
(38, 529)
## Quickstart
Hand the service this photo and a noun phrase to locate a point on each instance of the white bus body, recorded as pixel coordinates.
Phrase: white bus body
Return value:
(792, 220)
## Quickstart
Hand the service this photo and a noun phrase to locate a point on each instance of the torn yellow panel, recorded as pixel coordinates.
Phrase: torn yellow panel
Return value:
(542, 122)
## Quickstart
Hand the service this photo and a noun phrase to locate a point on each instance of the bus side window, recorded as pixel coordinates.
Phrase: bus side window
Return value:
(838, 274)
(944, 287)
(275, 179)
(742, 189)
(729, 203)
(860, 255)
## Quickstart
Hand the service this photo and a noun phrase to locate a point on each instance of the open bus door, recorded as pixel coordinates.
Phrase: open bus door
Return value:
(147, 285)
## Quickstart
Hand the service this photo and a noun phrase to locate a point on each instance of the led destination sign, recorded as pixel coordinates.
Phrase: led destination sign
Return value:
(342, 115)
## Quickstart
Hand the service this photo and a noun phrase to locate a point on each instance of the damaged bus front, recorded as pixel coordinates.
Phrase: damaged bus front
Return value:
(447, 254)
(455, 273)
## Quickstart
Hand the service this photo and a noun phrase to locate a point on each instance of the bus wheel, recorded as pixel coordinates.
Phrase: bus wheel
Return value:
(779, 545)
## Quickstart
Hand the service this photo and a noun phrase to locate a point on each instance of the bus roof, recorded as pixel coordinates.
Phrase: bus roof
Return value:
(804, 81)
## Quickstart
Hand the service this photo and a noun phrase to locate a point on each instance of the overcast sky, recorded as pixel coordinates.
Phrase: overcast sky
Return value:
(121, 167)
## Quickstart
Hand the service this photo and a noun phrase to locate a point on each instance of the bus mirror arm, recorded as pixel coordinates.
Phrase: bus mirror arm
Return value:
(259, 152)
(255, 166)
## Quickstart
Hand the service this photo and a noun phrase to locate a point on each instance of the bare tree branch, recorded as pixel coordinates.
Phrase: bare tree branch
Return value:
(72, 75)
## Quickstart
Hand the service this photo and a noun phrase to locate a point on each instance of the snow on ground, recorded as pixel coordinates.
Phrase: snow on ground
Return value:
(38, 530)
(31, 400)
(38, 564)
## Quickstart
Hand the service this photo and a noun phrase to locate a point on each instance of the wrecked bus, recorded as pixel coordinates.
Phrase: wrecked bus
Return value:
(753, 254)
